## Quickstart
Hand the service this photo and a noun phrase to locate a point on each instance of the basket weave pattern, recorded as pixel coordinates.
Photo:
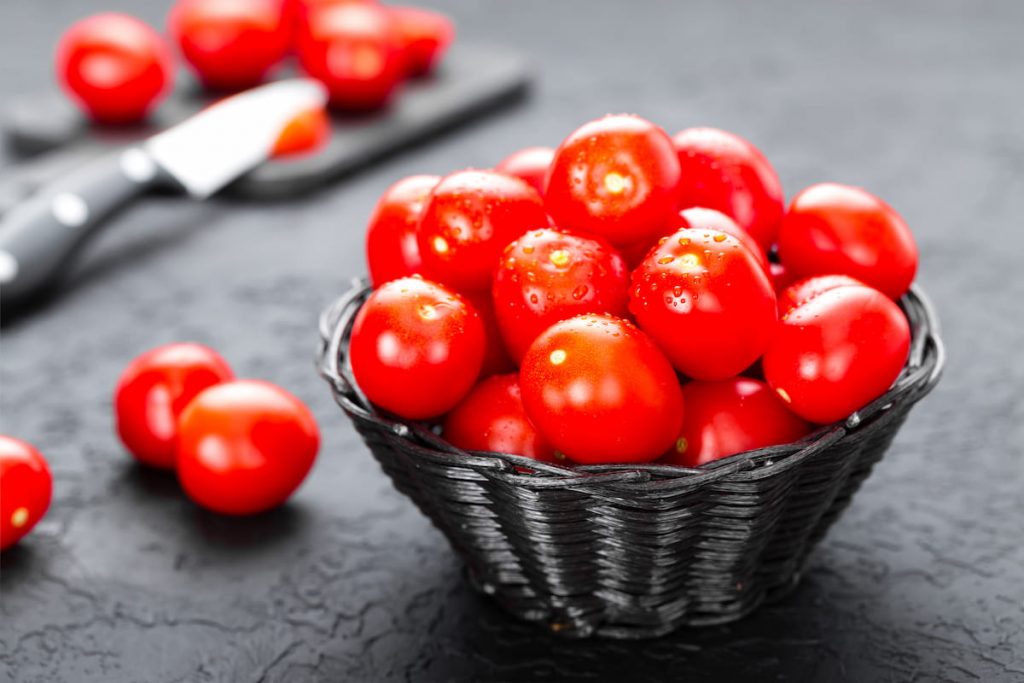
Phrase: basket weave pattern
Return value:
(633, 551)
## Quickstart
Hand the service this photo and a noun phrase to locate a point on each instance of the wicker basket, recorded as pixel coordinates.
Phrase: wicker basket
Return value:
(633, 551)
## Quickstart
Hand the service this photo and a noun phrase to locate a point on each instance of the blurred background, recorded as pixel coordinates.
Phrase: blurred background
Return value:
(920, 102)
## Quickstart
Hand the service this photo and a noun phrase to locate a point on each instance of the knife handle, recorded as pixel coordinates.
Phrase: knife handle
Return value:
(39, 236)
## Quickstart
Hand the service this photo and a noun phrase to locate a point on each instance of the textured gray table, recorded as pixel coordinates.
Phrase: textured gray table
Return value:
(923, 579)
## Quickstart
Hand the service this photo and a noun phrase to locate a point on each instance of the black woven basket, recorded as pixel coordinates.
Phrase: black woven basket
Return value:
(633, 551)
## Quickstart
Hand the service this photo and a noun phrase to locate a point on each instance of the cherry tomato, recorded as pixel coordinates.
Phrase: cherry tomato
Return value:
(245, 446)
(355, 50)
(731, 416)
(837, 352)
(154, 390)
(416, 348)
(833, 228)
(304, 134)
(706, 301)
(231, 44)
(469, 219)
(548, 275)
(391, 248)
(26, 486)
(496, 357)
(115, 67)
(699, 218)
(782, 277)
(600, 391)
(804, 290)
(615, 177)
(722, 171)
(491, 418)
(530, 164)
(425, 37)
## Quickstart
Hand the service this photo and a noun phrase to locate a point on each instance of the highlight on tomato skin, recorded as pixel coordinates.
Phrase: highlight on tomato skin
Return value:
(699, 218)
(392, 250)
(802, 291)
(26, 487)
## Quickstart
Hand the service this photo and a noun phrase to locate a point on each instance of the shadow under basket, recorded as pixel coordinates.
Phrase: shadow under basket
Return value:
(633, 551)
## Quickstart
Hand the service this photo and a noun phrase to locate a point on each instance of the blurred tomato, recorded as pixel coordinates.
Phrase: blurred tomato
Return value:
(530, 164)
(26, 487)
(425, 37)
(391, 248)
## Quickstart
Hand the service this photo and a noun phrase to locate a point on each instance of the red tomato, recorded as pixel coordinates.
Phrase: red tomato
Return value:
(469, 219)
(115, 67)
(26, 486)
(600, 391)
(833, 228)
(804, 290)
(355, 50)
(782, 277)
(304, 134)
(530, 164)
(548, 275)
(615, 177)
(707, 302)
(154, 390)
(245, 446)
(698, 218)
(231, 44)
(496, 358)
(425, 37)
(416, 348)
(722, 171)
(391, 248)
(491, 418)
(731, 416)
(837, 352)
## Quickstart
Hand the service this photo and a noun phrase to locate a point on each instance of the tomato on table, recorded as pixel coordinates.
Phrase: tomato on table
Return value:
(391, 248)
(699, 218)
(833, 228)
(304, 134)
(26, 487)
(244, 447)
(722, 171)
(425, 36)
(530, 164)
(731, 416)
(416, 348)
(802, 291)
(114, 66)
(152, 392)
(707, 302)
(837, 352)
(549, 275)
(355, 50)
(492, 418)
(469, 219)
(616, 177)
(600, 391)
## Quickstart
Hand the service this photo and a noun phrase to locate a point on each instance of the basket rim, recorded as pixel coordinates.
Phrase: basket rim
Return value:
(921, 372)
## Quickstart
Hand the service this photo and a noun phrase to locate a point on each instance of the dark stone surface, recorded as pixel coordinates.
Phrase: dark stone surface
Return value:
(922, 579)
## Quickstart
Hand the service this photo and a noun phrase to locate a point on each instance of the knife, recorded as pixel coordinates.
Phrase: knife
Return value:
(39, 236)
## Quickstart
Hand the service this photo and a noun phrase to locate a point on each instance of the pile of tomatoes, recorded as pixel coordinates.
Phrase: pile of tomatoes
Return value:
(630, 297)
(117, 68)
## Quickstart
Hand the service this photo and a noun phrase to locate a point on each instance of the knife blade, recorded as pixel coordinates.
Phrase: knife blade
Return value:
(40, 235)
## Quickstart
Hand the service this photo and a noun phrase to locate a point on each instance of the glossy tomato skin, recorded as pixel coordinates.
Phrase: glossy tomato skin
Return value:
(416, 348)
(615, 177)
(231, 44)
(802, 291)
(722, 171)
(391, 248)
(425, 37)
(355, 50)
(530, 164)
(706, 301)
(469, 219)
(152, 392)
(837, 352)
(492, 418)
(600, 391)
(549, 275)
(832, 228)
(26, 487)
(306, 133)
(245, 446)
(731, 416)
(699, 218)
(115, 67)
